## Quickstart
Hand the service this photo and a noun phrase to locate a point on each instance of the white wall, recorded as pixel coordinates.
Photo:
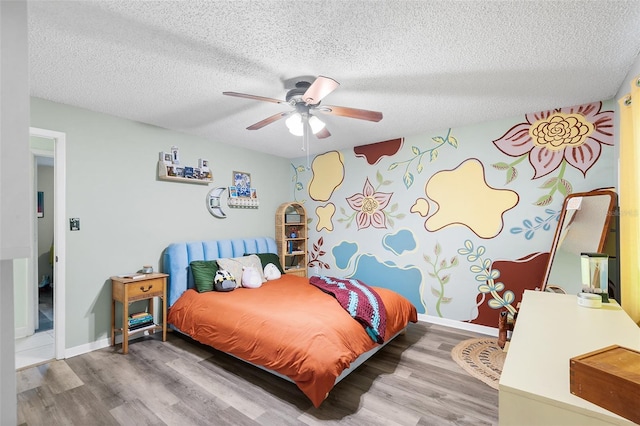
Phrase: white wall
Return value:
(23, 302)
(14, 102)
(128, 216)
(15, 228)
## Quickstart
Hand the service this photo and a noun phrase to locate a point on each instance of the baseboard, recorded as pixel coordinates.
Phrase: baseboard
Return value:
(21, 332)
(461, 325)
(99, 344)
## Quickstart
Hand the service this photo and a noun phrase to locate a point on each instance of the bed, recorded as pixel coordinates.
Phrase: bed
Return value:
(286, 326)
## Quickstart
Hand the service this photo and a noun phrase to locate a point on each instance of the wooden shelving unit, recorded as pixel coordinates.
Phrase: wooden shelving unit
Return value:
(292, 249)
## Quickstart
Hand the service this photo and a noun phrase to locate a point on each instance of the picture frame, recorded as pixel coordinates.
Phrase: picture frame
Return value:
(40, 204)
(166, 158)
(203, 163)
(254, 193)
(242, 182)
(175, 155)
(179, 171)
(233, 192)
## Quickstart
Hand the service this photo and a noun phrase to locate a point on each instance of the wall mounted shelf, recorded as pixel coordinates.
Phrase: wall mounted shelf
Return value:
(163, 175)
(243, 203)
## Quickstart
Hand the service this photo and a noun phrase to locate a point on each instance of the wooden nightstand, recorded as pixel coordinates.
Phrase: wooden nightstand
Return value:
(127, 290)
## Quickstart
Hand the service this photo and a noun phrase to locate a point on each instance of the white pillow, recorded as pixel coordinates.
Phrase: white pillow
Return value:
(271, 272)
(234, 265)
(251, 277)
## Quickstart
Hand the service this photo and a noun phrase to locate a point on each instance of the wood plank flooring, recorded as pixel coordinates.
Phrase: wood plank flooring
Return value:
(412, 381)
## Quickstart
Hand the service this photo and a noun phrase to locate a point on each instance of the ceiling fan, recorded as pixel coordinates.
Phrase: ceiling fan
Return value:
(305, 98)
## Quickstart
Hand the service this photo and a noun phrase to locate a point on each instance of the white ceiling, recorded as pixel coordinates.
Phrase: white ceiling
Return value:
(426, 65)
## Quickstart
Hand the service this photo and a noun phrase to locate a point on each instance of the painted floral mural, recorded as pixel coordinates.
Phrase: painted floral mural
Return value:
(418, 155)
(455, 237)
(369, 206)
(553, 139)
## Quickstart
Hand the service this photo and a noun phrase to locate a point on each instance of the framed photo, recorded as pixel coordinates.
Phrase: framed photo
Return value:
(166, 158)
(40, 204)
(179, 171)
(242, 182)
(233, 192)
(254, 194)
(175, 155)
(203, 163)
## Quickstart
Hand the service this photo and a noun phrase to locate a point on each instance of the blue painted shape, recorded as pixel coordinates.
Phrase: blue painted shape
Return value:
(403, 280)
(343, 253)
(400, 242)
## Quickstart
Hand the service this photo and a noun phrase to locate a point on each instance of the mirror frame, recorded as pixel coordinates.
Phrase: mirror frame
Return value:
(603, 236)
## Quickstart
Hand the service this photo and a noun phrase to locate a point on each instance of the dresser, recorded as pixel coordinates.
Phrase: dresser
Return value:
(552, 328)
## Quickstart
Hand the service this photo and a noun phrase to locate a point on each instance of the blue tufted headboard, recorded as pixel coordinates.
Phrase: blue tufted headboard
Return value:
(176, 258)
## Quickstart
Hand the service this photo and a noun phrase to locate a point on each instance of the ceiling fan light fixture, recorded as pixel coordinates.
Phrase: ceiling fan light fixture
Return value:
(316, 124)
(294, 124)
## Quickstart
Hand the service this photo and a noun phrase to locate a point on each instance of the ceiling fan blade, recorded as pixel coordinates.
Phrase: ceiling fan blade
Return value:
(268, 120)
(320, 88)
(254, 97)
(322, 134)
(361, 114)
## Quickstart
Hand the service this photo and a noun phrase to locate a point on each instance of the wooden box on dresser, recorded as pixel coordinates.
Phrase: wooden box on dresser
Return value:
(291, 238)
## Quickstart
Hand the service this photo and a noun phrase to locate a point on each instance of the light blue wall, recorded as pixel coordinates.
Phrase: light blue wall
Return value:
(127, 216)
(430, 266)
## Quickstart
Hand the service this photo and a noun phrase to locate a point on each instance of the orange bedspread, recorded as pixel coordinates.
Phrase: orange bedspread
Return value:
(288, 326)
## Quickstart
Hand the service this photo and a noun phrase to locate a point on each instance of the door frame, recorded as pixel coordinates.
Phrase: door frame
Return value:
(59, 232)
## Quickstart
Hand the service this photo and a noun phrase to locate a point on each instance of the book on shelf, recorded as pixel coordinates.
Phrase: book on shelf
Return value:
(142, 320)
(140, 325)
(139, 321)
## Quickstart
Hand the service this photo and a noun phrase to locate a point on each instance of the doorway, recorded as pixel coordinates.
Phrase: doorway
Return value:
(44, 243)
(42, 338)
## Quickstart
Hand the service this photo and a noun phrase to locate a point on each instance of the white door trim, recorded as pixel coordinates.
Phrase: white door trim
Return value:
(59, 232)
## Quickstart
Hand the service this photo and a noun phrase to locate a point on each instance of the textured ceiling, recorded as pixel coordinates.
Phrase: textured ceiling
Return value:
(424, 65)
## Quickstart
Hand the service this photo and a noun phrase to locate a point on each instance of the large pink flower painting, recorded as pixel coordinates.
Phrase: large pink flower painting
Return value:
(369, 206)
(555, 138)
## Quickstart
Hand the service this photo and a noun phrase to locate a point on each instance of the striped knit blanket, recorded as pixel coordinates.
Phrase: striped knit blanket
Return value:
(359, 300)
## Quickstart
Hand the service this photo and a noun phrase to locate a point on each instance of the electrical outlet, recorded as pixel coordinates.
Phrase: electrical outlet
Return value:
(74, 223)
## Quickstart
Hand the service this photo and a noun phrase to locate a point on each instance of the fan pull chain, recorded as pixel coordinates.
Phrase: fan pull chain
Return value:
(305, 137)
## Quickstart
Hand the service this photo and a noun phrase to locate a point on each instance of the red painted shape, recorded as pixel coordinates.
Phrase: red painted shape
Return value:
(375, 151)
(518, 275)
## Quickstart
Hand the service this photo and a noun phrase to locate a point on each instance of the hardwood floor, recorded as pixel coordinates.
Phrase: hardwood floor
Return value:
(412, 381)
